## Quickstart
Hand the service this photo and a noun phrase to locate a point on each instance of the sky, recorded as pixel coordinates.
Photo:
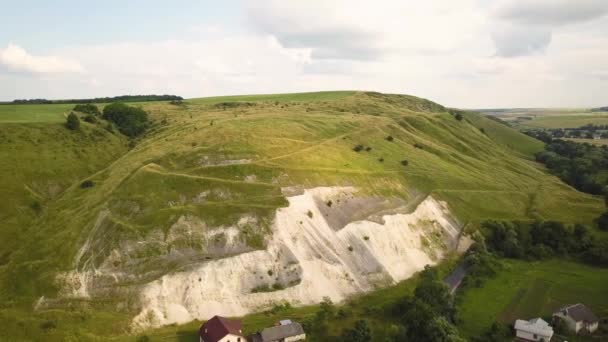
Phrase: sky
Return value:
(460, 53)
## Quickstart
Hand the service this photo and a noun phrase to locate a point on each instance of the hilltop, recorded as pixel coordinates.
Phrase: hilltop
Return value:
(210, 182)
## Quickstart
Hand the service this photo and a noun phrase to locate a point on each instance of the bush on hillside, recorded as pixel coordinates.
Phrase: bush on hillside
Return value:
(602, 222)
(86, 184)
(358, 148)
(405, 162)
(90, 118)
(72, 122)
(87, 108)
(389, 138)
(131, 121)
(458, 116)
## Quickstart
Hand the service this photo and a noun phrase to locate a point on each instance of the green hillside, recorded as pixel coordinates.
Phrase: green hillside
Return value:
(237, 152)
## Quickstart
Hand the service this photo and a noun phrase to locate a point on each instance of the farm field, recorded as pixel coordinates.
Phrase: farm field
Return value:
(33, 113)
(524, 290)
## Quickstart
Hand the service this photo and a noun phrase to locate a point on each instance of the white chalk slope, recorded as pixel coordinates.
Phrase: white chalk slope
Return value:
(308, 258)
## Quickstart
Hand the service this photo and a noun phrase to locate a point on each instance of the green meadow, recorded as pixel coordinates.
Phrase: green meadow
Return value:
(525, 290)
(47, 113)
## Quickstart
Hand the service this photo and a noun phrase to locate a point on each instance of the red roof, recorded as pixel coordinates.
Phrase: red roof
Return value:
(217, 327)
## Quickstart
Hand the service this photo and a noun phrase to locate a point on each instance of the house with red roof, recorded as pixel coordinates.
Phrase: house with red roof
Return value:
(221, 329)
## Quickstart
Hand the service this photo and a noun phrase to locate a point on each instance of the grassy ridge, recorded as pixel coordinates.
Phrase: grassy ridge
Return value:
(49, 113)
(219, 163)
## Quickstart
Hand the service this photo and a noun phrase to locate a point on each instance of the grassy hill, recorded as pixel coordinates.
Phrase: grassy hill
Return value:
(237, 152)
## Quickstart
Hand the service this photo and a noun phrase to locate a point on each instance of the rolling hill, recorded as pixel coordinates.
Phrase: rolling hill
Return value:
(237, 183)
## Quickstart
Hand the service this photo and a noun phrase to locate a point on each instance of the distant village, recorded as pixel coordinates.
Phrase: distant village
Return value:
(221, 329)
(575, 319)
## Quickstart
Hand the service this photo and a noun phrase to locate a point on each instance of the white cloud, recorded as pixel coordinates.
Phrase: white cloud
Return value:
(526, 27)
(15, 58)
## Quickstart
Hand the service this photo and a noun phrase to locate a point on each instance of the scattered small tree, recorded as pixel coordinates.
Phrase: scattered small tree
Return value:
(87, 108)
(358, 148)
(72, 122)
(359, 333)
(602, 221)
(458, 116)
(389, 138)
(405, 162)
(87, 184)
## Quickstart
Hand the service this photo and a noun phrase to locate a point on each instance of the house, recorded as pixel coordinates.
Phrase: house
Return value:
(285, 331)
(220, 329)
(578, 318)
(535, 329)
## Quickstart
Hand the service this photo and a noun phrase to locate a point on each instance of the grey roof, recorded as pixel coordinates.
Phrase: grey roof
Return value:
(281, 331)
(580, 313)
(534, 326)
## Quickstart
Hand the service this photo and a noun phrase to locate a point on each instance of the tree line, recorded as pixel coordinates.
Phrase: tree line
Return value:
(426, 315)
(122, 98)
(130, 121)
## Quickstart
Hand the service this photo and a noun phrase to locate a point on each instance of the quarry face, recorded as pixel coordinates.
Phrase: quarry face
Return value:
(328, 242)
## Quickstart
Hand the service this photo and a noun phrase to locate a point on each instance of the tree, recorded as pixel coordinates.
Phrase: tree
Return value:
(441, 330)
(87, 108)
(131, 121)
(359, 333)
(459, 117)
(72, 122)
(602, 221)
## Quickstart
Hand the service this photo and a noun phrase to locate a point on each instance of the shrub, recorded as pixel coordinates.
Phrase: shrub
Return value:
(405, 162)
(368, 149)
(358, 148)
(309, 214)
(419, 146)
(131, 121)
(87, 184)
(381, 160)
(602, 222)
(109, 127)
(90, 118)
(329, 203)
(270, 273)
(366, 238)
(482, 130)
(36, 207)
(72, 122)
(389, 138)
(350, 248)
(459, 117)
(87, 108)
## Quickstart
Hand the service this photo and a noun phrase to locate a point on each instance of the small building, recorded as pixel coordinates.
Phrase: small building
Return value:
(285, 331)
(535, 329)
(578, 317)
(220, 329)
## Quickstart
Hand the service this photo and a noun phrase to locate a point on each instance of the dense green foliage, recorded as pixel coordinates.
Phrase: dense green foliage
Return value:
(131, 121)
(72, 122)
(580, 165)
(87, 108)
(122, 98)
(541, 240)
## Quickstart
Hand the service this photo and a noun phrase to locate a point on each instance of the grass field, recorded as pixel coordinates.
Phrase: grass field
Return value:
(283, 140)
(524, 290)
(51, 113)
(550, 118)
